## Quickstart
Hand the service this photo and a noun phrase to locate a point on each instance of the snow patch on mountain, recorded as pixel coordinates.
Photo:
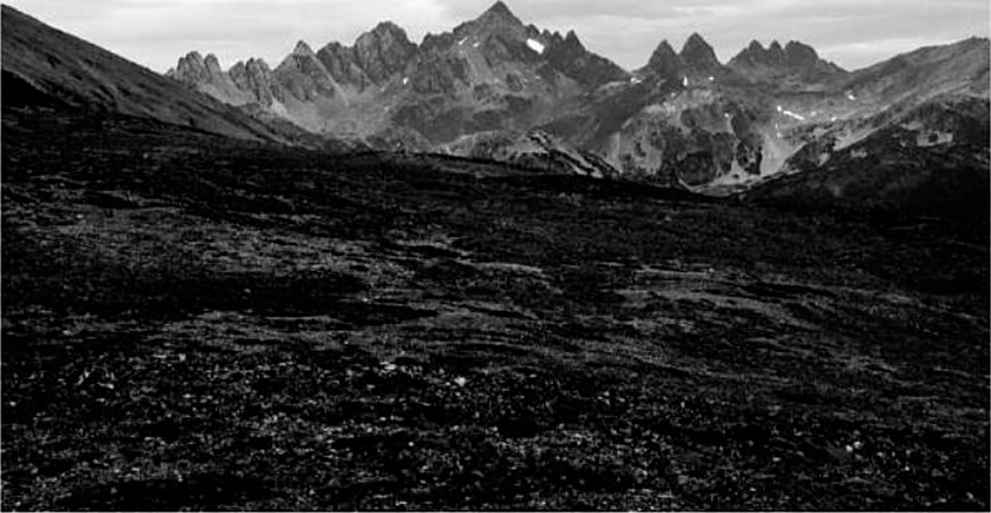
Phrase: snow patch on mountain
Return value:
(793, 115)
(535, 45)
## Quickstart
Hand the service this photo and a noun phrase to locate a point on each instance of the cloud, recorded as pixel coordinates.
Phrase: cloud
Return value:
(853, 33)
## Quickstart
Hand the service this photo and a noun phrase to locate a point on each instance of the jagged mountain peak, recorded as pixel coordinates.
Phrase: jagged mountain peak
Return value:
(800, 54)
(258, 63)
(499, 9)
(194, 56)
(571, 39)
(388, 26)
(696, 39)
(755, 46)
(664, 61)
(302, 48)
(795, 58)
(385, 32)
(193, 67)
(697, 53)
(212, 63)
(383, 51)
(499, 13)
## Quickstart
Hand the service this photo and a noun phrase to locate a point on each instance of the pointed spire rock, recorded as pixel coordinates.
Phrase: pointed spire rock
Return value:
(755, 46)
(664, 61)
(191, 69)
(698, 54)
(500, 8)
(212, 63)
(775, 51)
(572, 39)
(302, 48)
(500, 11)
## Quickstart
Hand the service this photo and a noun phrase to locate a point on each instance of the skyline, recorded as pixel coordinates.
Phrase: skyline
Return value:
(156, 33)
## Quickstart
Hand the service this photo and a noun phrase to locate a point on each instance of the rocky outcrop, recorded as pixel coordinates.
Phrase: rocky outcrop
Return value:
(206, 74)
(255, 78)
(304, 76)
(383, 52)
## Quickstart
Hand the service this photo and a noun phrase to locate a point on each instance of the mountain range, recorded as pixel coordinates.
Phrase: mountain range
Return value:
(684, 119)
(775, 123)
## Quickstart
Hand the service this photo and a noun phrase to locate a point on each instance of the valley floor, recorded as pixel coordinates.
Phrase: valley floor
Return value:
(193, 322)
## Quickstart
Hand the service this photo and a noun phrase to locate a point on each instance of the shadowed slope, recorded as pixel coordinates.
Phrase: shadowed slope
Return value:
(46, 65)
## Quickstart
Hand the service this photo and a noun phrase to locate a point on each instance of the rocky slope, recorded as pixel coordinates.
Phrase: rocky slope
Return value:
(534, 149)
(41, 63)
(931, 158)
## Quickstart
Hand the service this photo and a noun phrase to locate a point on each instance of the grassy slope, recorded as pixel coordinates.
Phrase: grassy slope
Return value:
(190, 321)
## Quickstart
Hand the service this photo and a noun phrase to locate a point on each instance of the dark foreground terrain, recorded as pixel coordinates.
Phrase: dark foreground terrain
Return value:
(194, 322)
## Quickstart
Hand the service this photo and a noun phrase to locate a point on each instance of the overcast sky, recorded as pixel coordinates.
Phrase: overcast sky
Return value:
(852, 33)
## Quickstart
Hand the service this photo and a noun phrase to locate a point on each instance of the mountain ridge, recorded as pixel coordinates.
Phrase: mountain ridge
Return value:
(684, 120)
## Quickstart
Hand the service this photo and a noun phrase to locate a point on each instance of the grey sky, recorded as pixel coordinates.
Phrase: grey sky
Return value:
(852, 33)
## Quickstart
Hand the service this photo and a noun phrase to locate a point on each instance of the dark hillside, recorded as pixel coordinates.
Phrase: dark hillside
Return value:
(191, 321)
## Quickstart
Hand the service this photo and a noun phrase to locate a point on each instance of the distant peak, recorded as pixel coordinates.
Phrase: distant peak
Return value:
(664, 47)
(755, 46)
(696, 38)
(499, 11)
(664, 61)
(500, 8)
(212, 63)
(388, 26)
(256, 64)
(302, 48)
(698, 53)
(800, 54)
(571, 40)
(384, 31)
(695, 44)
